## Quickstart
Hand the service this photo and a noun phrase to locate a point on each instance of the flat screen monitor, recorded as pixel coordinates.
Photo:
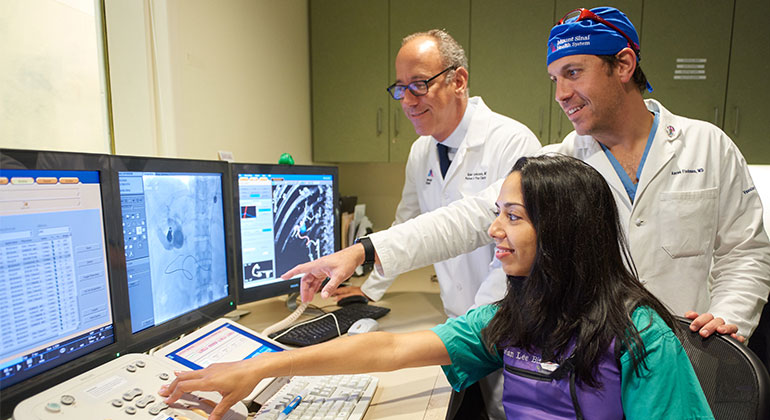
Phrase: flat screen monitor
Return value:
(286, 215)
(56, 305)
(175, 267)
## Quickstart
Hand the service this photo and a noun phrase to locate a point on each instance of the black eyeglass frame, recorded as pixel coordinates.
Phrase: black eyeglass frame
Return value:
(412, 87)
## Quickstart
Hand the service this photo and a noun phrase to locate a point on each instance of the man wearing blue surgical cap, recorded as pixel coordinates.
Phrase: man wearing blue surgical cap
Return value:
(693, 218)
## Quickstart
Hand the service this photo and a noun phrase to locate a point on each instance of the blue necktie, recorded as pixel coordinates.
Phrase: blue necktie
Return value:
(443, 158)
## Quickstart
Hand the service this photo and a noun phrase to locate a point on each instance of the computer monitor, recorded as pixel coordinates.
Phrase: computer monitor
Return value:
(56, 305)
(175, 268)
(286, 215)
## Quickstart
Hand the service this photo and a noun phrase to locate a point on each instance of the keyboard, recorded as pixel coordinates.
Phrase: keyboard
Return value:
(336, 397)
(324, 327)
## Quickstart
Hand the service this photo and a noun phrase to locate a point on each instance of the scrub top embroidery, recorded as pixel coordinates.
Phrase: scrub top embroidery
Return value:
(628, 184)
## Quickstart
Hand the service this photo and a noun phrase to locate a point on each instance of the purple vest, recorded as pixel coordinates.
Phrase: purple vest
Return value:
(535, 390)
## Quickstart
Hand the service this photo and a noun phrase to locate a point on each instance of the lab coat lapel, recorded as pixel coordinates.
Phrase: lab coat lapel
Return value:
(593, 155)
(477, 132)
(661, 152)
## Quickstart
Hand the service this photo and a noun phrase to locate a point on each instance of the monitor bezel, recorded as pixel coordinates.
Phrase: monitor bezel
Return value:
(56, 160)
(286, 287)
(156, 335)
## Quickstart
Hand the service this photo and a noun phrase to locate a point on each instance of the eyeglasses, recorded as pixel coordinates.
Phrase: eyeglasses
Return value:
(418, 87)
(583, 14)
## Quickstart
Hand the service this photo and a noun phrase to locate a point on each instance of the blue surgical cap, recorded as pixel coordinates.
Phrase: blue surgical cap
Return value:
(591, 37)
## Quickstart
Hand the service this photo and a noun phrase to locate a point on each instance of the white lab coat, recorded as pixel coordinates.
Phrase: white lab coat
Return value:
(695, 228)
(491, 145)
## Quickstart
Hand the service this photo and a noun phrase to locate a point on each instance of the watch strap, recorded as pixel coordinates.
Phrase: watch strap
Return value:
(368, 249)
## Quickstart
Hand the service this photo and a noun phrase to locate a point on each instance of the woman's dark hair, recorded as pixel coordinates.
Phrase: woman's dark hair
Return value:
(582, 284)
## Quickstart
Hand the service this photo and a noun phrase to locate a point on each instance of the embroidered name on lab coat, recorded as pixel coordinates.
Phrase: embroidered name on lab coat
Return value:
(687, 171)
(476, 176)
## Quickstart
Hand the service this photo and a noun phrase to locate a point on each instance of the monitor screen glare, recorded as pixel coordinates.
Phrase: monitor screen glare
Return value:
(54, 293)
(174, 240)
(285, 220)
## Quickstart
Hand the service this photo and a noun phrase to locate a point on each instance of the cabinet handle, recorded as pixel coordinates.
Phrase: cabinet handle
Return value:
(395, 123)
(540, 125)
(716, 115)
(379, 121)
(737, 119)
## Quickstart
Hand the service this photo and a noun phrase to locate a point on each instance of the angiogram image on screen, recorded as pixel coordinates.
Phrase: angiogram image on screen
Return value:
(303, 223)
(175, 244)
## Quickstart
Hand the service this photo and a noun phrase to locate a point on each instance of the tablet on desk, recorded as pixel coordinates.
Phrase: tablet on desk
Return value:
(221, 341)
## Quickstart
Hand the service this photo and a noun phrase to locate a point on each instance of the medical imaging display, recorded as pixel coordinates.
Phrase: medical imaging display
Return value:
(54, 292)
(286, 219)
(174, 240)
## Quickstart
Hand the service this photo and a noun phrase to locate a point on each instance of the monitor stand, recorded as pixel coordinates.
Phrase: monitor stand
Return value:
(291, 301)
(236, 314)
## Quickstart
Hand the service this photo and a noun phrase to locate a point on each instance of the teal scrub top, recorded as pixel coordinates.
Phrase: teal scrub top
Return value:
(666, 388)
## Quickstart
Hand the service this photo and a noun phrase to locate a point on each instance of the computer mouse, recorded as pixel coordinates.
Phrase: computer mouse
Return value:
(363, 325)
(347, 300)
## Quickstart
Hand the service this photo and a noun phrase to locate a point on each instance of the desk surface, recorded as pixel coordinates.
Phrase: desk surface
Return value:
(408, 394)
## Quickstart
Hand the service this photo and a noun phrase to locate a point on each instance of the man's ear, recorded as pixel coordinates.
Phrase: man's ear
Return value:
(626, 64)
(460, 80)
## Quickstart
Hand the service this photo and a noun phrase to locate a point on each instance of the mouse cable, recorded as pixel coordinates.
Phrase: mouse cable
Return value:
(336, 323)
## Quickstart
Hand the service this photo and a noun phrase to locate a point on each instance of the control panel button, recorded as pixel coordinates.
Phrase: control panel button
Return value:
(157, 408)
(130, 410)
(140, 363)
(145, 401)
(131, 368)
(117, 403)
(130, 395)
(163, 376)
(53, 407)
(67, 399)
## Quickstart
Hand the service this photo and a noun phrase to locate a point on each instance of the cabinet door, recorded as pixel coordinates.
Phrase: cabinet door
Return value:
(508, 40)
(349, 74)
(685, 53)
(748, 86)
(406, 17)
(560, 125)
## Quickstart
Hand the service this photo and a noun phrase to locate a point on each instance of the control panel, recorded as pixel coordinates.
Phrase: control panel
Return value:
(124, 388)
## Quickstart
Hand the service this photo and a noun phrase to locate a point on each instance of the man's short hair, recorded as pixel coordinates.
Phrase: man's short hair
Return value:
(639, 78)
(450, 51)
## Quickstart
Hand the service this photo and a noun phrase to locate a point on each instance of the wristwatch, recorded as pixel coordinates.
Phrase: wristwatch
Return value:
(368, 249)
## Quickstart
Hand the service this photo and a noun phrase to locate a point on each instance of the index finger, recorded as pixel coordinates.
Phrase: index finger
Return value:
(700, 321)
(169, 389)
(298, 269)
(187, 385)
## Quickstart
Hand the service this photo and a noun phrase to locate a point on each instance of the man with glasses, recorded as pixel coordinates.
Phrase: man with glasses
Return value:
(693, 217)
(463, 148)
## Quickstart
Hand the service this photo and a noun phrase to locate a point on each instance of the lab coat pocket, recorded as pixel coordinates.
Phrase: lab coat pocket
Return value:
(687, 221)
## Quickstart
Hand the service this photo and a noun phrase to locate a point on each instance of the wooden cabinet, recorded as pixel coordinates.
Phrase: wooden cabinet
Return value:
(685, 55)
(714, 72)
(748, 85)
(507, 66)
(349, 74)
